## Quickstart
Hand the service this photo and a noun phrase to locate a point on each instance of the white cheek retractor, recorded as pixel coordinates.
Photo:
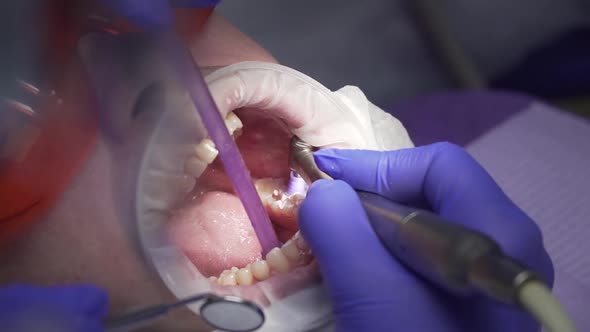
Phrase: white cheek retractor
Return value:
(303, 309)
(343, 119)
(323, 118)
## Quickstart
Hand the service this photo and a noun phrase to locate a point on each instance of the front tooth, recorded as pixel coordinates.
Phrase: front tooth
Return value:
(229, 279)
(244, 277)
(291, 251)
(277, 260)
(193, 166)
(260, 270)
(206, 150)
(233, 123)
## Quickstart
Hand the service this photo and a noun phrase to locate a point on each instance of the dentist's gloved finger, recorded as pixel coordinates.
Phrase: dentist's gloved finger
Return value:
(145, 13)
(453, 184)
(81, 299)
(154, 13)
(434, 172)
(335, 225)
(195, 3)
(451, 181)
(61, 308)
(85, 299)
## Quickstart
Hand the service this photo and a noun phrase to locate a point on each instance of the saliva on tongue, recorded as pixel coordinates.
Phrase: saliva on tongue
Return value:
(229, 154)
(215, 233)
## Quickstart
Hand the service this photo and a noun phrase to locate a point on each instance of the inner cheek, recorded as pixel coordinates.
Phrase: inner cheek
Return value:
(264, 146)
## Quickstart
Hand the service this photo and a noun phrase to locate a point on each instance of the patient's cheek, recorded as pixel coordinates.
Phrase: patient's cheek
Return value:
(219, 43)
(264, 144)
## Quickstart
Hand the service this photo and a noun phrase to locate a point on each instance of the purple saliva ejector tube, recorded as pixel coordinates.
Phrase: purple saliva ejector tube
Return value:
(230, 156)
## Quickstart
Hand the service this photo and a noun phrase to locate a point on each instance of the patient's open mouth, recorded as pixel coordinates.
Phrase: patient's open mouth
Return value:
(211, 226)
(191, 222)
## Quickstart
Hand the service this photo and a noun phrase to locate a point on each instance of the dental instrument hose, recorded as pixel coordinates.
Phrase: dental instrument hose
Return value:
(454, 257)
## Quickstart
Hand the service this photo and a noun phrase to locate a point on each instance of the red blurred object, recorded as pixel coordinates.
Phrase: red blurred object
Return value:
(54, 127)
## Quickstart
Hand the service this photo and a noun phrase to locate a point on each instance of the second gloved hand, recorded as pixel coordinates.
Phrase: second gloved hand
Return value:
(153, 13)
(26, 308)
(370, 290)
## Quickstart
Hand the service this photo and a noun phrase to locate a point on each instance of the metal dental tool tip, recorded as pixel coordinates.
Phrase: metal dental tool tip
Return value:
(297, 184)
(301, 161)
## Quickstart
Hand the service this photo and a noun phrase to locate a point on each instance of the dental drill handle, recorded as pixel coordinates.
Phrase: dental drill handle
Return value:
(452, 256)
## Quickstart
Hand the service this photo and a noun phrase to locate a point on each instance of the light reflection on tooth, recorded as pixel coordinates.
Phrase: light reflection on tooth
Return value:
(301, 243)
(260, 270)
(233, 123)
(223, 274)
(266, 186)
(291, 251)
(276, 194)
(206, 150)
(244, 277)
(194, 166)
(155, 198)
(277, 260)
(229, 279)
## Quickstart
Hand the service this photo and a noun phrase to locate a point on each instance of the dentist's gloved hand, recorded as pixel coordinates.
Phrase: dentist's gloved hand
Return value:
(154, 13)
(52, 309)
(370, 290)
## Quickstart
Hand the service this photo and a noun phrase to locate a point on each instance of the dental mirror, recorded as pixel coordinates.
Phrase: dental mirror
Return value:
(231, 313)
(226, 313)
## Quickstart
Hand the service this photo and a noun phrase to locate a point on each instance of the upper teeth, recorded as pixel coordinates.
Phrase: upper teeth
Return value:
(233, 123)
(194, 166)
(205, 152)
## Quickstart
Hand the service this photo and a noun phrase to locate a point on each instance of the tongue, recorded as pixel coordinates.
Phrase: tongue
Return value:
(215, 233)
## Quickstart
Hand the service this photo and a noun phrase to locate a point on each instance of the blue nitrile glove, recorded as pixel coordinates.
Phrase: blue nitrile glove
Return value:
(370, 290)
(77, 308)
(154, 13)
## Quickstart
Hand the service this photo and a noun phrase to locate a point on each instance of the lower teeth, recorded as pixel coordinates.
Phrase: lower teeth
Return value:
(294, 253)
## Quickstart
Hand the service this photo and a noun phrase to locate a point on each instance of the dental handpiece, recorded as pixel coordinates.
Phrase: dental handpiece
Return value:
(452, 256)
